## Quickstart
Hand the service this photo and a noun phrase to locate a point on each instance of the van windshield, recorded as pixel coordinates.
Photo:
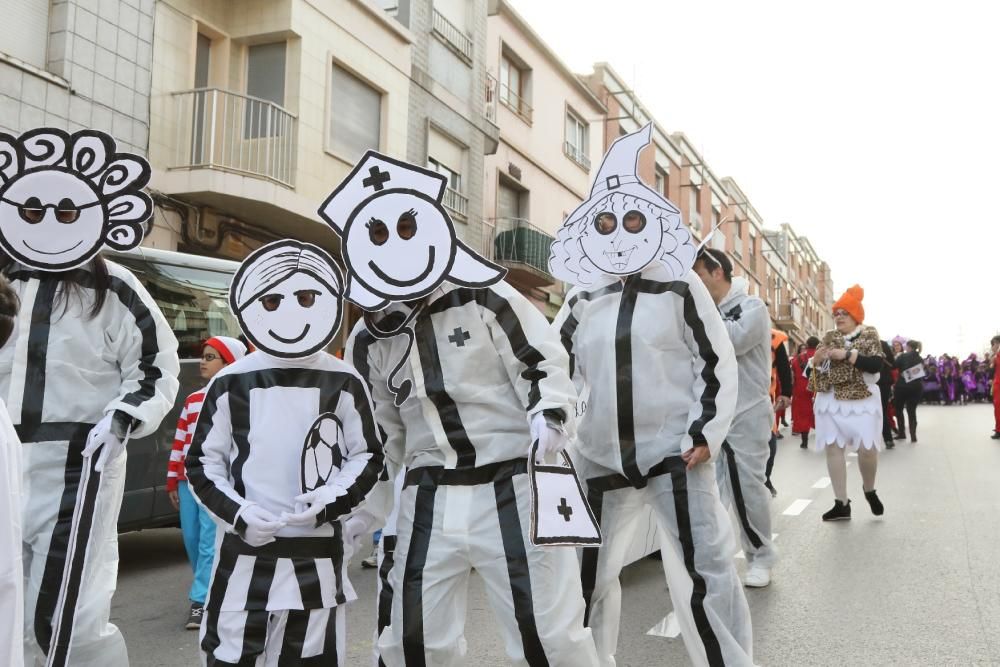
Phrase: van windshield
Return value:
(194, 301)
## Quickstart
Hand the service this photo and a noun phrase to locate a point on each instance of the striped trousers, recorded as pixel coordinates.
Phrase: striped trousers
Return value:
(454, 521)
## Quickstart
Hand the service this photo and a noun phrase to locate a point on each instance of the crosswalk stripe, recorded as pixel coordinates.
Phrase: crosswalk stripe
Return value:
(796, 508)
(822, 483)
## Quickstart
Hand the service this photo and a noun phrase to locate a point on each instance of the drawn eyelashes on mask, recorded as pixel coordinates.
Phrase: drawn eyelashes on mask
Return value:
(402, 390)
(406, 228)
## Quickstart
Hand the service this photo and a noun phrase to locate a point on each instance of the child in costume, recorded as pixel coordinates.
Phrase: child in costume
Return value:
(465, 375)
(285, 445)
(91, 363)
(647, 342)
(197, 526)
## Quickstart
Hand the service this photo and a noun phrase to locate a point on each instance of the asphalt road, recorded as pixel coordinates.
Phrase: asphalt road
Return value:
(918, 586)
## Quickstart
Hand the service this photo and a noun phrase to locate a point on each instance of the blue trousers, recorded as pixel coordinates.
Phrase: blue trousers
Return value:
(198, 529)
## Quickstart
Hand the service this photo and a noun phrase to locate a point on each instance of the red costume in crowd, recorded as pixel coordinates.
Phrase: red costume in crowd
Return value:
(802, 398)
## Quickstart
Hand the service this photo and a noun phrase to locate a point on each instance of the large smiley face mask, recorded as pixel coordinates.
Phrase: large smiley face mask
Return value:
(287, 298)
(624, 226)
(398, 241)
(64, 196)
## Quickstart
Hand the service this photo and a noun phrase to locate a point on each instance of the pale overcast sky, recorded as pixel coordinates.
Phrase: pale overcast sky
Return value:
(873, 128)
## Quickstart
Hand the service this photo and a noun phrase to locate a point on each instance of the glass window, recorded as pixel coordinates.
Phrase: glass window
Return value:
(355, 115)
(576, 134)
(454, 178)
(265, 81)
(195, 302)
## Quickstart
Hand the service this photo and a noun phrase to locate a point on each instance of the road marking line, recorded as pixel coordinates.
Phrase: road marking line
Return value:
(796, 508)
(854, 454)
(668, 627)
(822, 483)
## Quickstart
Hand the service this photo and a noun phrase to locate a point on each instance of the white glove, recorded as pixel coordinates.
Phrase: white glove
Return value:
(355, 527)
(101, 437)
(261, 526)
(551, 440)
(308, 507)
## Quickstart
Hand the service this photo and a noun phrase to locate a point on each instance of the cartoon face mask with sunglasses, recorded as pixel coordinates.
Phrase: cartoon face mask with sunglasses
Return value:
(65, 196)
(287, 298)
(624, 226)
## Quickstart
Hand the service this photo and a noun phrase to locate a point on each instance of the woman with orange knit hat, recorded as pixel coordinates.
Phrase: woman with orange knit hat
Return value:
(844, 374)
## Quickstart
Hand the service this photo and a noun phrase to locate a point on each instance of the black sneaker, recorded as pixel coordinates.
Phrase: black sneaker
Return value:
(874, 502)
(996, 435)
(194, 618)
(805, 440)
(840, 512)
(770, 487)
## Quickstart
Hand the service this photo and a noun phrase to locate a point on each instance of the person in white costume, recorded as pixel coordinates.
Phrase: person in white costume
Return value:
(650, 351)
(465, 376)
(92, 362)
(279, 584)
(741, 464)
(11, 570)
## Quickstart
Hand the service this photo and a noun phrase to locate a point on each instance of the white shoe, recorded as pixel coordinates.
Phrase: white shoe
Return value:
(757, 576)
(372, 561)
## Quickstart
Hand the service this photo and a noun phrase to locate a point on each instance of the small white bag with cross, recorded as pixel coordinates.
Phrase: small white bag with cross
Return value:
(560, 514)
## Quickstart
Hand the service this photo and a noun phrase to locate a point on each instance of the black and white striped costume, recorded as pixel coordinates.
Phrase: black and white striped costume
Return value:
(741, 465)
(282, 601)
(483, 361)
(661, 375)
(61, 372)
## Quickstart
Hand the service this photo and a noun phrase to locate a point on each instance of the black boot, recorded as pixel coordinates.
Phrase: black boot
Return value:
(913, 433)
(805, 440)
(840, 512)
(874, 502)
(770, 487)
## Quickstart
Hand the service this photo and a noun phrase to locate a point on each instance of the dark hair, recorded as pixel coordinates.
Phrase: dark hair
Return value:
(915, 345)
(995, 340)
(102, 283)
(812, 342)
(716, 259)
(9, 305)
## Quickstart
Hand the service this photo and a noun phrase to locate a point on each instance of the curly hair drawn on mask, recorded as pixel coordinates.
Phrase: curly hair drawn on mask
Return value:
(581, 251)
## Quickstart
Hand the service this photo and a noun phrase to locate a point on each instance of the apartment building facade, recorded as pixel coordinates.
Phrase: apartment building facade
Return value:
(548, 121)
(260, 108)
(75, 64)
(449, 129)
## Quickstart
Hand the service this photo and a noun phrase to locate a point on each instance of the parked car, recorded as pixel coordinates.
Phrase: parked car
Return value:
(192, 292)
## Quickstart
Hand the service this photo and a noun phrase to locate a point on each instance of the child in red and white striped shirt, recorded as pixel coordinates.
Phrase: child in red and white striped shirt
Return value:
(197, 525)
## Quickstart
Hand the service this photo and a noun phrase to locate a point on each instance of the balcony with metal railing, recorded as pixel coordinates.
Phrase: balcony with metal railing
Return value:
(452, 36)
(490, 102)
(576, 155)
(523, 249)
(788, 316)
(220, 129)
(456, 202)
(515, 103)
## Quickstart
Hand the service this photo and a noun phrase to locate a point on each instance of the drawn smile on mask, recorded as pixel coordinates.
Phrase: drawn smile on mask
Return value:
(57, 252)
(289, 341)
(404, 283)
(620, 258)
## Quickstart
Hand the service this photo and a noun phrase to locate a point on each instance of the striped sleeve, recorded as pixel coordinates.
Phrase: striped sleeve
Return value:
(207, 461)
(714, 363)
(146, 351)
(182, 439)
(536, 362)
(365, 458)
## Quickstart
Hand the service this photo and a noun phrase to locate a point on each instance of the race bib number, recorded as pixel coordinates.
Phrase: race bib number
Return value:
(913, 373)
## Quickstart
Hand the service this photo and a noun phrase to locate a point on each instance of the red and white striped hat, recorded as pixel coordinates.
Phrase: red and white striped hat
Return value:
(229, 348)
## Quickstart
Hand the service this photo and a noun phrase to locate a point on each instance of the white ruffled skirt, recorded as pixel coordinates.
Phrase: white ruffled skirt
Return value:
(849, 424)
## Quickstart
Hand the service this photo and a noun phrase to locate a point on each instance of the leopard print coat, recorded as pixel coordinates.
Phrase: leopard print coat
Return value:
(846, 381)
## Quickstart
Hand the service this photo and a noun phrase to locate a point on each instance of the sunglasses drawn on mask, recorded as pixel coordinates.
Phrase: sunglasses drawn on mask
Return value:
(32, 210)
